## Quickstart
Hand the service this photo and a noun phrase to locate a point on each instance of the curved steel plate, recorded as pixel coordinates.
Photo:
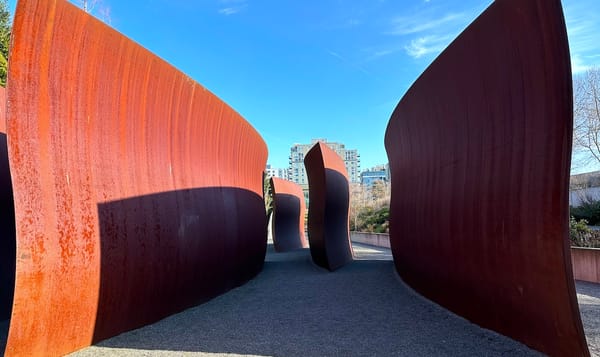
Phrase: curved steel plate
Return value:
(329, 199)
(479, 151)
(138, 193)
(289, 211)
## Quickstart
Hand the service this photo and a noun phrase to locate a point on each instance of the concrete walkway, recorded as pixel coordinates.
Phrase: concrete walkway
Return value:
(294, 308)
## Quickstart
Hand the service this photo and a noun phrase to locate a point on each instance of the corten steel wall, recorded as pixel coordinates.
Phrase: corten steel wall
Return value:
(7, 222)
(138, 193)
(289, 211)
(479, 150)
(329, 199)
(586, 264)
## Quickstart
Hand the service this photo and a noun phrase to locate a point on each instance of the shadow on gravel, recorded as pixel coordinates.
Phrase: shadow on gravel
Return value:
(294, 308)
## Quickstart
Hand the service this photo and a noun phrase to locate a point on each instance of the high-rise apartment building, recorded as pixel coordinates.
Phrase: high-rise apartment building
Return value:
(277, 172)
(297, 172)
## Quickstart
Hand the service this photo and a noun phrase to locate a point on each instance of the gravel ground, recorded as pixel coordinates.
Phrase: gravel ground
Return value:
(588, 295)
(294, 308)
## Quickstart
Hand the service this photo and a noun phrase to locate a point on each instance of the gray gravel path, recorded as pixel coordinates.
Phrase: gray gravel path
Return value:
(588, 295)
(294, 308)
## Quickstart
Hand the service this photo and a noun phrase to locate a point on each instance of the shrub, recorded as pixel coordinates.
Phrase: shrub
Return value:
(581, 235)
(588, 210)
(373, 220)
(578, 231)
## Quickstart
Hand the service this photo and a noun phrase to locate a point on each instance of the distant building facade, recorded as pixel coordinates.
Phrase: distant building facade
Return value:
(297, 172)
(377, 173)
(277, 172)
(584, 188)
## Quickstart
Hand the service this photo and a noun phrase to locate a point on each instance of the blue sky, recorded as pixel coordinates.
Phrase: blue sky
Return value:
(331, 69)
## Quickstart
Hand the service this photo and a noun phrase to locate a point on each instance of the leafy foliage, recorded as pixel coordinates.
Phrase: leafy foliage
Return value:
(374, 220)
(581, 235)
(5, 27)
(268, 194)
(588, 210)
(370, 208)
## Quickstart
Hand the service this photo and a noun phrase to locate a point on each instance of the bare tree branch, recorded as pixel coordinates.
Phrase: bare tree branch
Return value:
(586, 115)
(96, 8)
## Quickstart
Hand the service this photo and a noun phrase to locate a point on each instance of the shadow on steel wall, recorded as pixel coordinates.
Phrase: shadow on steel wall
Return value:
(165, 252)
(289, 209)
(286, 219)
(328, 229)
(7, 242)
(329, 197)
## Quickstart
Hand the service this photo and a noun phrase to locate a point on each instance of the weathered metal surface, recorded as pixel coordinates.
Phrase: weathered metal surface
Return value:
(138, 193)
(329, 199)
(289, 210)
(7, 222)
(479, 151)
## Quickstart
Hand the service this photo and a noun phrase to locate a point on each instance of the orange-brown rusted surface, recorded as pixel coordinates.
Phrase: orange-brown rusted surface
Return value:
(329, 199)
(138, 193)
(7, 223)
(289, 210)
(479, 151)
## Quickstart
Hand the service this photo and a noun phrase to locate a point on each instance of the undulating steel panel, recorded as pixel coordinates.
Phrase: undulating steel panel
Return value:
(479, 150)
(329, 199)
(138, 193)
(289, 210)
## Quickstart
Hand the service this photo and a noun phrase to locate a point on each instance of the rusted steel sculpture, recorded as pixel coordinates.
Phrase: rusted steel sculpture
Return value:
(289, 210)
(329, 199)
(479, 150)
(7, 222)
(138, 193)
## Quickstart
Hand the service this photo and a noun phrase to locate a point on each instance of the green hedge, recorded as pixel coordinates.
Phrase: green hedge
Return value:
(589, 210)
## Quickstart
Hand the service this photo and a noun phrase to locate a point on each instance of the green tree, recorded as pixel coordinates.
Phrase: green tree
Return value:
(268, 194)
(378, 190)
(5, 25)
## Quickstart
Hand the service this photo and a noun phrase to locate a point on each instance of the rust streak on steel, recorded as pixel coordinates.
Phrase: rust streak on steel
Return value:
(479, 150)
(138, 192)
(329, 199)
(289, 211)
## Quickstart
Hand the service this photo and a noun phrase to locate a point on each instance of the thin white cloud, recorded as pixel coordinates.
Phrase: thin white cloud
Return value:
(229, 10)
(416, 24)
(232, 6)
(578, 65)
(425, 32)
(347, 62)
(336, 55)
(382, 53)
(583, 29)
(353, 22)
(375, 53)
(425, 45)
